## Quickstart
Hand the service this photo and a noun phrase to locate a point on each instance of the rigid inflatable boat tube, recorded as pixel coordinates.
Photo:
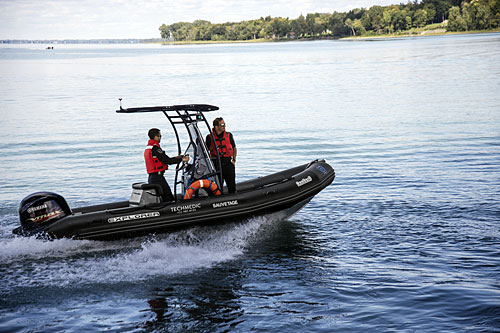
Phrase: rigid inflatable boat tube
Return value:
(202, 183)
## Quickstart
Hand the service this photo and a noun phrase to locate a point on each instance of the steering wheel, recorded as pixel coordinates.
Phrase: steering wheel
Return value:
(182, 165)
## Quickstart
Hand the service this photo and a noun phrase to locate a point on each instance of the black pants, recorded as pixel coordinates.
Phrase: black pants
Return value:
(155, 178)
(229, 175)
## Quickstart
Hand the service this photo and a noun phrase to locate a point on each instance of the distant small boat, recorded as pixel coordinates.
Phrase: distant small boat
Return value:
(285, 192)
(50, 47)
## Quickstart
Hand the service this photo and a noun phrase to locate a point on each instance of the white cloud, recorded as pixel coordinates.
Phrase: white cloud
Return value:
(87, 19)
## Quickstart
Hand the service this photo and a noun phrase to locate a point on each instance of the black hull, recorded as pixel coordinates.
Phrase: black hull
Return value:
(286, 191)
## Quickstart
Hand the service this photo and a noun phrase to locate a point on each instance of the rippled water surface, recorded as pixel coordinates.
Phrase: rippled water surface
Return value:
(407, 238)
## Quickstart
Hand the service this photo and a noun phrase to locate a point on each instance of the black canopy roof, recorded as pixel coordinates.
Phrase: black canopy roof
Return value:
(185, 107)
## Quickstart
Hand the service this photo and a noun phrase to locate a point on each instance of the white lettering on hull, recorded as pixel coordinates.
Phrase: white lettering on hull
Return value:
(304, 181)
(225, 204)
(185, 208)
(133, 217)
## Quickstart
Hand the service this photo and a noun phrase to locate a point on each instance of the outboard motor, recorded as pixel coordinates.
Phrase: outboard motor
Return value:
(40, 209)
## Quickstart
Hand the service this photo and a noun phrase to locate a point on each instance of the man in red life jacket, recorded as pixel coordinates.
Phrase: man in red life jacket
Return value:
(227, 152)
(157, 162)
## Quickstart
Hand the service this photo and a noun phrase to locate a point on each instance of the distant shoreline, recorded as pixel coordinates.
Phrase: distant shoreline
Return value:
(426, 33)
(83, 41)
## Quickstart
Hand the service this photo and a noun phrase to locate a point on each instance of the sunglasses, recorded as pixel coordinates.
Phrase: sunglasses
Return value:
(222, 125)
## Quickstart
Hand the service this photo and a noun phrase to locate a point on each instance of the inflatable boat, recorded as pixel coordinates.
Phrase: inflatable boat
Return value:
(199, 197)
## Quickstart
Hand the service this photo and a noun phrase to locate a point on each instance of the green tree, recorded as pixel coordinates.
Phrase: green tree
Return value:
(495, 13)
(356, 13)
(440, 7)
(203, 32)
(164, 32)
(408, 22)
(310, 22)
(431, 13)
(178, 30)
(420, 18)
(358, 26)
(336, 25)
(267, 30)
(217, 32)
(477, 14)
(321, 24)
(283, 26)
(398, 19)
(373, 19)
(299, 26)
(253, 28)
(350, 24)
(483, 14)
(387, 20)
(455, 20)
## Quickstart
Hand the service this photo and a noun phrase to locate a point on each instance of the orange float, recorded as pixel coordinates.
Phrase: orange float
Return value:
(202, 183)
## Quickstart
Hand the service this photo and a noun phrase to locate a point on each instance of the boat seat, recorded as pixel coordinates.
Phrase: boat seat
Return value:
(145, 193)
(147, 186)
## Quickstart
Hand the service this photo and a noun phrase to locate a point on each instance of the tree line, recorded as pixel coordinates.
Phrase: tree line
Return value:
(460, 15)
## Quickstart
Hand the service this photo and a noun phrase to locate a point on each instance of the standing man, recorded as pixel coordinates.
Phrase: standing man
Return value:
(227, 152)
(157, 162)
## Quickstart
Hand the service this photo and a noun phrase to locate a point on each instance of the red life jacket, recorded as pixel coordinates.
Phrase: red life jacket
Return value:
(223, 144)
(153, 164)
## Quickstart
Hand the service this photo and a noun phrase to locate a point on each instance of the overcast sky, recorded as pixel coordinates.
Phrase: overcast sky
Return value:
(89, 19)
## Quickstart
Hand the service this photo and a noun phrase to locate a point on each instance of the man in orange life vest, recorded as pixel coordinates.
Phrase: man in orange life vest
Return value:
(227, 152)
(157, 162)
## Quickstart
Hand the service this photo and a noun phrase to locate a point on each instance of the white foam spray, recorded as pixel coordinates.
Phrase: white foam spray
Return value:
(64, 262)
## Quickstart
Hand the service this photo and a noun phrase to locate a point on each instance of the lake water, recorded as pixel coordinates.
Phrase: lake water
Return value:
(407, 238)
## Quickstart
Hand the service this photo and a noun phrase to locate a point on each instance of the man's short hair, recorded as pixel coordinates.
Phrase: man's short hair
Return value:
(153, 132)
(217, 121)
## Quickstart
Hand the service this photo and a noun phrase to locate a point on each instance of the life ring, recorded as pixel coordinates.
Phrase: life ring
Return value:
(202, 183)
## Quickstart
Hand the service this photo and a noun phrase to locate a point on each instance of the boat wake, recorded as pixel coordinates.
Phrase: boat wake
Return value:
(64, 262)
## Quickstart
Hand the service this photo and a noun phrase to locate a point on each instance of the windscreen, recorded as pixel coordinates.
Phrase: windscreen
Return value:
(200, 166)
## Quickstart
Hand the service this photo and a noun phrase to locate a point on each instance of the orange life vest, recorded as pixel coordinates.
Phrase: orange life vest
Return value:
(223, 145)
(153, 164)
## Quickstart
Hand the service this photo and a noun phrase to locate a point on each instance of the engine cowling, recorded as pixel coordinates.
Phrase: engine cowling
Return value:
(40, 209)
